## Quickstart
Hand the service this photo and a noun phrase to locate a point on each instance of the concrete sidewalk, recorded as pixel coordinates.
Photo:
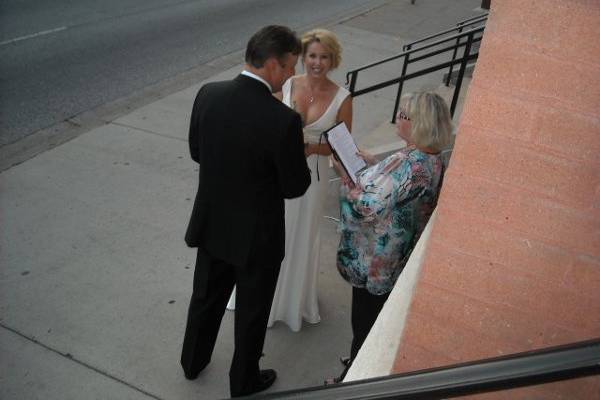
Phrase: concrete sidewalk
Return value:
(95, 277)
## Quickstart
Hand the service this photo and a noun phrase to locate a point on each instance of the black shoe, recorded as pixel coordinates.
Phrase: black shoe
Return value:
(265, 381)
(267, 378)
(190, 376)
(345, 361)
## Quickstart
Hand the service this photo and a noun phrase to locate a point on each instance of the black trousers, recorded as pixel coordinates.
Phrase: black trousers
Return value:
(214, 280)
(365, 309)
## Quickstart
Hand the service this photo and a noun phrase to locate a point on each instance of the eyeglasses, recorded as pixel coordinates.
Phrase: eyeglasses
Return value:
(402, 115)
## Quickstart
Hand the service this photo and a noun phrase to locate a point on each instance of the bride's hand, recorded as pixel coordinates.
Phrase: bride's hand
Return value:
(308, 150)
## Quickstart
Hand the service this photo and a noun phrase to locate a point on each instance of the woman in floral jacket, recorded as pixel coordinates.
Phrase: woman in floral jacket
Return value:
(383, 215)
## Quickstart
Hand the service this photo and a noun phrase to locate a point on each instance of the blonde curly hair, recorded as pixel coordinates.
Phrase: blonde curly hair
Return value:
(328, 40)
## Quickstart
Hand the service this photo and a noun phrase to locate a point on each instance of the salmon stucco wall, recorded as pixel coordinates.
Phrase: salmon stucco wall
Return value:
(513, 263)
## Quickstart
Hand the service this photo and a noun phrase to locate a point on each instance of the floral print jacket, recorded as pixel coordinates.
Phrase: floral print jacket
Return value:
(383, 216)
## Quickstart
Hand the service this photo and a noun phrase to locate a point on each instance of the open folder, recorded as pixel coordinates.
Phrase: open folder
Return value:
(343, 147)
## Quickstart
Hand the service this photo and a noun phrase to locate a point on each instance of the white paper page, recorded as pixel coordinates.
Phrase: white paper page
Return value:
(340, 139)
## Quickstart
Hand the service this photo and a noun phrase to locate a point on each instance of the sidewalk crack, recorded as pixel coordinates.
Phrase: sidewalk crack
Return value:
(148, 131)
(70, 357)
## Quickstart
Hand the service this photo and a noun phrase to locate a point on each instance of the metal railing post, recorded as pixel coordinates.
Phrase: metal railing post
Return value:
(400, 86)
(352, 86)
(461, 72)
(449, 77)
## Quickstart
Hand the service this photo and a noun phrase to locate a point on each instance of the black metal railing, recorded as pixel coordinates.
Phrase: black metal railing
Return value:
(535, 367)
(482, 19)
(464, 38)
(460, 26)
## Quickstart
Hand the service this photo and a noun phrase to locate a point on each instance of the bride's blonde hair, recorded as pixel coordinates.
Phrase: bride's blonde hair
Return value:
(328, 40)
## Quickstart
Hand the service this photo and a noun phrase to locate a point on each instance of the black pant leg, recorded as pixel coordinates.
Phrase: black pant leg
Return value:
(213, 284)
(255, 287)
(365, 310)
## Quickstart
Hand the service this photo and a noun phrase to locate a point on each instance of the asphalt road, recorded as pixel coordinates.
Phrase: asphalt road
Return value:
(60, 58)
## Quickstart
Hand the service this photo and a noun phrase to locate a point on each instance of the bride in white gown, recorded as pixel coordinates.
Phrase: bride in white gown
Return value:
(322, 104)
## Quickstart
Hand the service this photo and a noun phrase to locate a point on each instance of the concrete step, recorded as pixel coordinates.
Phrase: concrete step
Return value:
(454, 75)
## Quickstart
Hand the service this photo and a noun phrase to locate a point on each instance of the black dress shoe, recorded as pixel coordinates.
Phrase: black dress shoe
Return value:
(193, 374)
(189, 376)
(265, 381)
(267, 378)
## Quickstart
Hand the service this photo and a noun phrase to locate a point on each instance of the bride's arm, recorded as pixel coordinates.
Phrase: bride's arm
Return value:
(345, 113)
(316, 148)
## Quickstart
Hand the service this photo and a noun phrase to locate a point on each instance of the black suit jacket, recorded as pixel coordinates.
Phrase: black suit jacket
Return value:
(250, 149)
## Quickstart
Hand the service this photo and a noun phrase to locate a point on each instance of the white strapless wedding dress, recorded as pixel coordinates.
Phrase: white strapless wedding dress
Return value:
(295, 297)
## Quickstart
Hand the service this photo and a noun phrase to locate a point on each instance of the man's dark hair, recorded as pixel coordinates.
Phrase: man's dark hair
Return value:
(271, 41)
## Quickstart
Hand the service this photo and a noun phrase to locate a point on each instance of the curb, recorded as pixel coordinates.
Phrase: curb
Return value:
(37, 142)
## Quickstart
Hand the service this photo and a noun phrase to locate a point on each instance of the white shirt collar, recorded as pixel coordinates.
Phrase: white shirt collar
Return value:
(258, 78)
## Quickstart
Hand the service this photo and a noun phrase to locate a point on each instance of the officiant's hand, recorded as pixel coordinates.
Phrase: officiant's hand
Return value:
(341, 171)
(368, 157)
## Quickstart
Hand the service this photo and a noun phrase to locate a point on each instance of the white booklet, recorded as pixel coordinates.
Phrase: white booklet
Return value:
(343, 147)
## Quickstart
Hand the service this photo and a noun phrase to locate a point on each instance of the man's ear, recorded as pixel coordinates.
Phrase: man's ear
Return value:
(271, 63)
(269, 67)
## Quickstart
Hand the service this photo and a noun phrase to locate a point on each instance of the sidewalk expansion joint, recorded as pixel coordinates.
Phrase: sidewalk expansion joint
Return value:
(70, 357)
(149, 131)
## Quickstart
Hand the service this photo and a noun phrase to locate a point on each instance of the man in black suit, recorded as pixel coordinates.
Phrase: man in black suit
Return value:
(250, 149)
